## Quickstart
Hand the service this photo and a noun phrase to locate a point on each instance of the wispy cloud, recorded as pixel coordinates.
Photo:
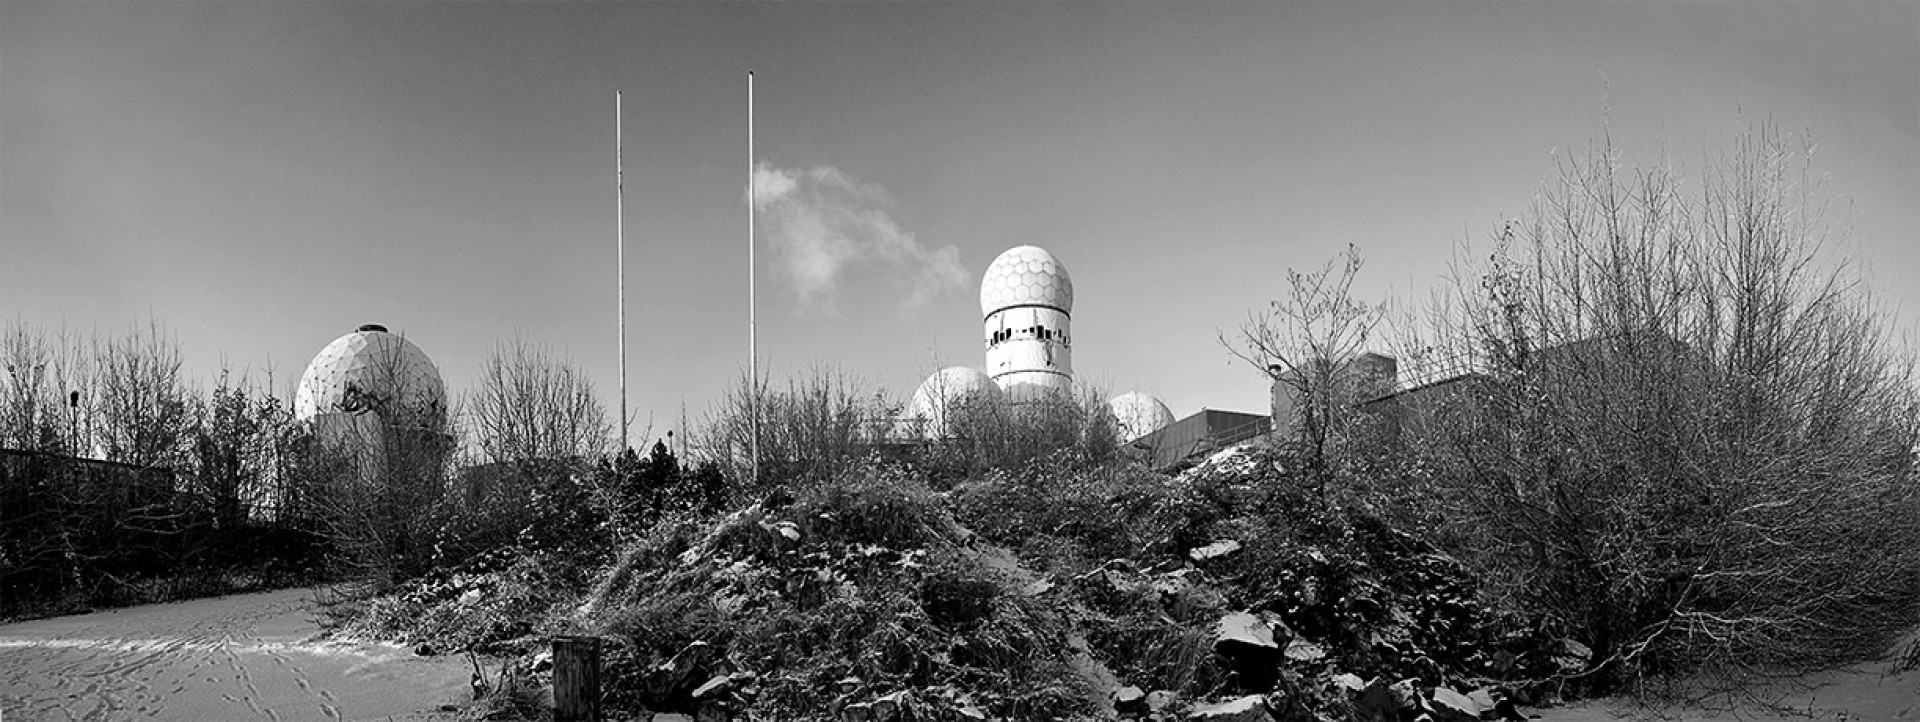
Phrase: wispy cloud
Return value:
(824, 225)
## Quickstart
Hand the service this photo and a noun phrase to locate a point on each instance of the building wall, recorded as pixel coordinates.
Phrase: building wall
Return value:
(1355, 381)
(1199, 435)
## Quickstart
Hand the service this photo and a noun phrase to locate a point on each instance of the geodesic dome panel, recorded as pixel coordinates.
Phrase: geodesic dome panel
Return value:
(373, 371)
(1138, 414)
(944, 392)
(1026, 275)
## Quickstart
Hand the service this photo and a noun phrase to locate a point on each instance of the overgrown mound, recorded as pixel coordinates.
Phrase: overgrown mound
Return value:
(1161, 570)
(501, 602)
(1060, 592)
(858, 594)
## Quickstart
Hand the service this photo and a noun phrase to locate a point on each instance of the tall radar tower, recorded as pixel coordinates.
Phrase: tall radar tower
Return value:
(1027, 298)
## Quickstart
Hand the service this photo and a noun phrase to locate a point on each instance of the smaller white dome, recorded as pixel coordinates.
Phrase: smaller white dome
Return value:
(945, 392)
(1026, 276)
(1138, 414)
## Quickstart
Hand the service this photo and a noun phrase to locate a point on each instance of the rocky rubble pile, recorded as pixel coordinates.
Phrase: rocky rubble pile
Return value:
(1229, 593)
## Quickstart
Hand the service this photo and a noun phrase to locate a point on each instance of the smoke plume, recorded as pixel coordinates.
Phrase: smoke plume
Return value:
(823, 225)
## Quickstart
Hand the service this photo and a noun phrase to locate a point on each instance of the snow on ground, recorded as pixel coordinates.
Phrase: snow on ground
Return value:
(250, 656)
(1875, 691)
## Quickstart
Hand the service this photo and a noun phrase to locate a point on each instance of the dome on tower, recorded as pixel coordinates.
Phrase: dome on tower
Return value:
(1138, 414)
(1026, 276)
(373, 370)
(945, 391)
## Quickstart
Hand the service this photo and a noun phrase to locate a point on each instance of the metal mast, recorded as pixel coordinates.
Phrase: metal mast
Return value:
(753, 337)
(620, 255)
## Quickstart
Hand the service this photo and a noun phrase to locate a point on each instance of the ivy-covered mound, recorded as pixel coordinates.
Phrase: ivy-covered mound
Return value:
(1230, 592)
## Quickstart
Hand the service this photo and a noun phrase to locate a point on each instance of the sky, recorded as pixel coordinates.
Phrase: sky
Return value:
(263, 177)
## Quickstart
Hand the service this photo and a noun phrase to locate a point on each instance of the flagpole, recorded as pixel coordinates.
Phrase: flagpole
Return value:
(753, 337)
(620, 256)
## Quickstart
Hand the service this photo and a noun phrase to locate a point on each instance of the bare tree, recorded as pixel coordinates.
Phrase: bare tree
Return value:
(530, 405)
(25, 396)
(1694, 443)
(143, 405)
(1304, 342)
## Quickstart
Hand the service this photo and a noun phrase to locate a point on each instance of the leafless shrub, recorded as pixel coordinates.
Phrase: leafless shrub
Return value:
(143, 404)
(1303, 341)
(821, 423)
(987, 433)
(531, 405)
(1692, 442)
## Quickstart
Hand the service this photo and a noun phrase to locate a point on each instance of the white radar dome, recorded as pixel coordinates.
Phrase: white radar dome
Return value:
(1138, 414)
(373, 370)
(1026, 276)
(945, 391)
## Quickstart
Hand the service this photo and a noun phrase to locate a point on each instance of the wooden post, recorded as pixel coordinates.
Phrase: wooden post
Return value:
(576, 679)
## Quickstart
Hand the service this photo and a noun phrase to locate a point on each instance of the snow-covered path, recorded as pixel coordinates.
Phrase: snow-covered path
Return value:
(241, 657)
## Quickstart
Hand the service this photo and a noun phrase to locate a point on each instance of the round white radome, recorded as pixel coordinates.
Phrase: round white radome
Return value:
(1138, 414)
(943, 393)
(373, 370)
(1026, 275)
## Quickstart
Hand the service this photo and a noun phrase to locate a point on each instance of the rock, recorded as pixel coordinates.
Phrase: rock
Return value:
(1482, 697)
(1240, 633)
(1251, 646)
(1130, 700)
(1305, 652)
(1350, 683)
(1251, 708)
(1504, 709)
(1217, 549)
(857, 712)
(892, 706)
(671, 717)
(1572, 656)
(713, 687)
(543, 661)
(1451, 706)
(1161, 700)
(1428, 672)
(971, 712)
(1383, 702)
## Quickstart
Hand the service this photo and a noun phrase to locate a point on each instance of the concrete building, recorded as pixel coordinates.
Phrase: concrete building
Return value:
(1027, 299)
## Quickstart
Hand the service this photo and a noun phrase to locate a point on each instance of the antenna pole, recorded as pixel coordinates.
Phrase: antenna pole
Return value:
(620, 236)
(753, 336)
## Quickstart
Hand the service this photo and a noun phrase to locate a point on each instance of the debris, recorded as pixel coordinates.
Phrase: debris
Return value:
(1572, 656)
(1451, 706)
(1350, 682)
(1383, 702)
(1130, 700)
(1161, 700)
(1217, 549)
(1251, 708)
(1300, 650)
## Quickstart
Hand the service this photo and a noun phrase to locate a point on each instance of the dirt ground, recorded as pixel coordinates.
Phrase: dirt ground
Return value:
(250, 656)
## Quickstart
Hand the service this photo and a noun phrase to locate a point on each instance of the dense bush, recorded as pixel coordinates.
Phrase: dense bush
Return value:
(1692, 446)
